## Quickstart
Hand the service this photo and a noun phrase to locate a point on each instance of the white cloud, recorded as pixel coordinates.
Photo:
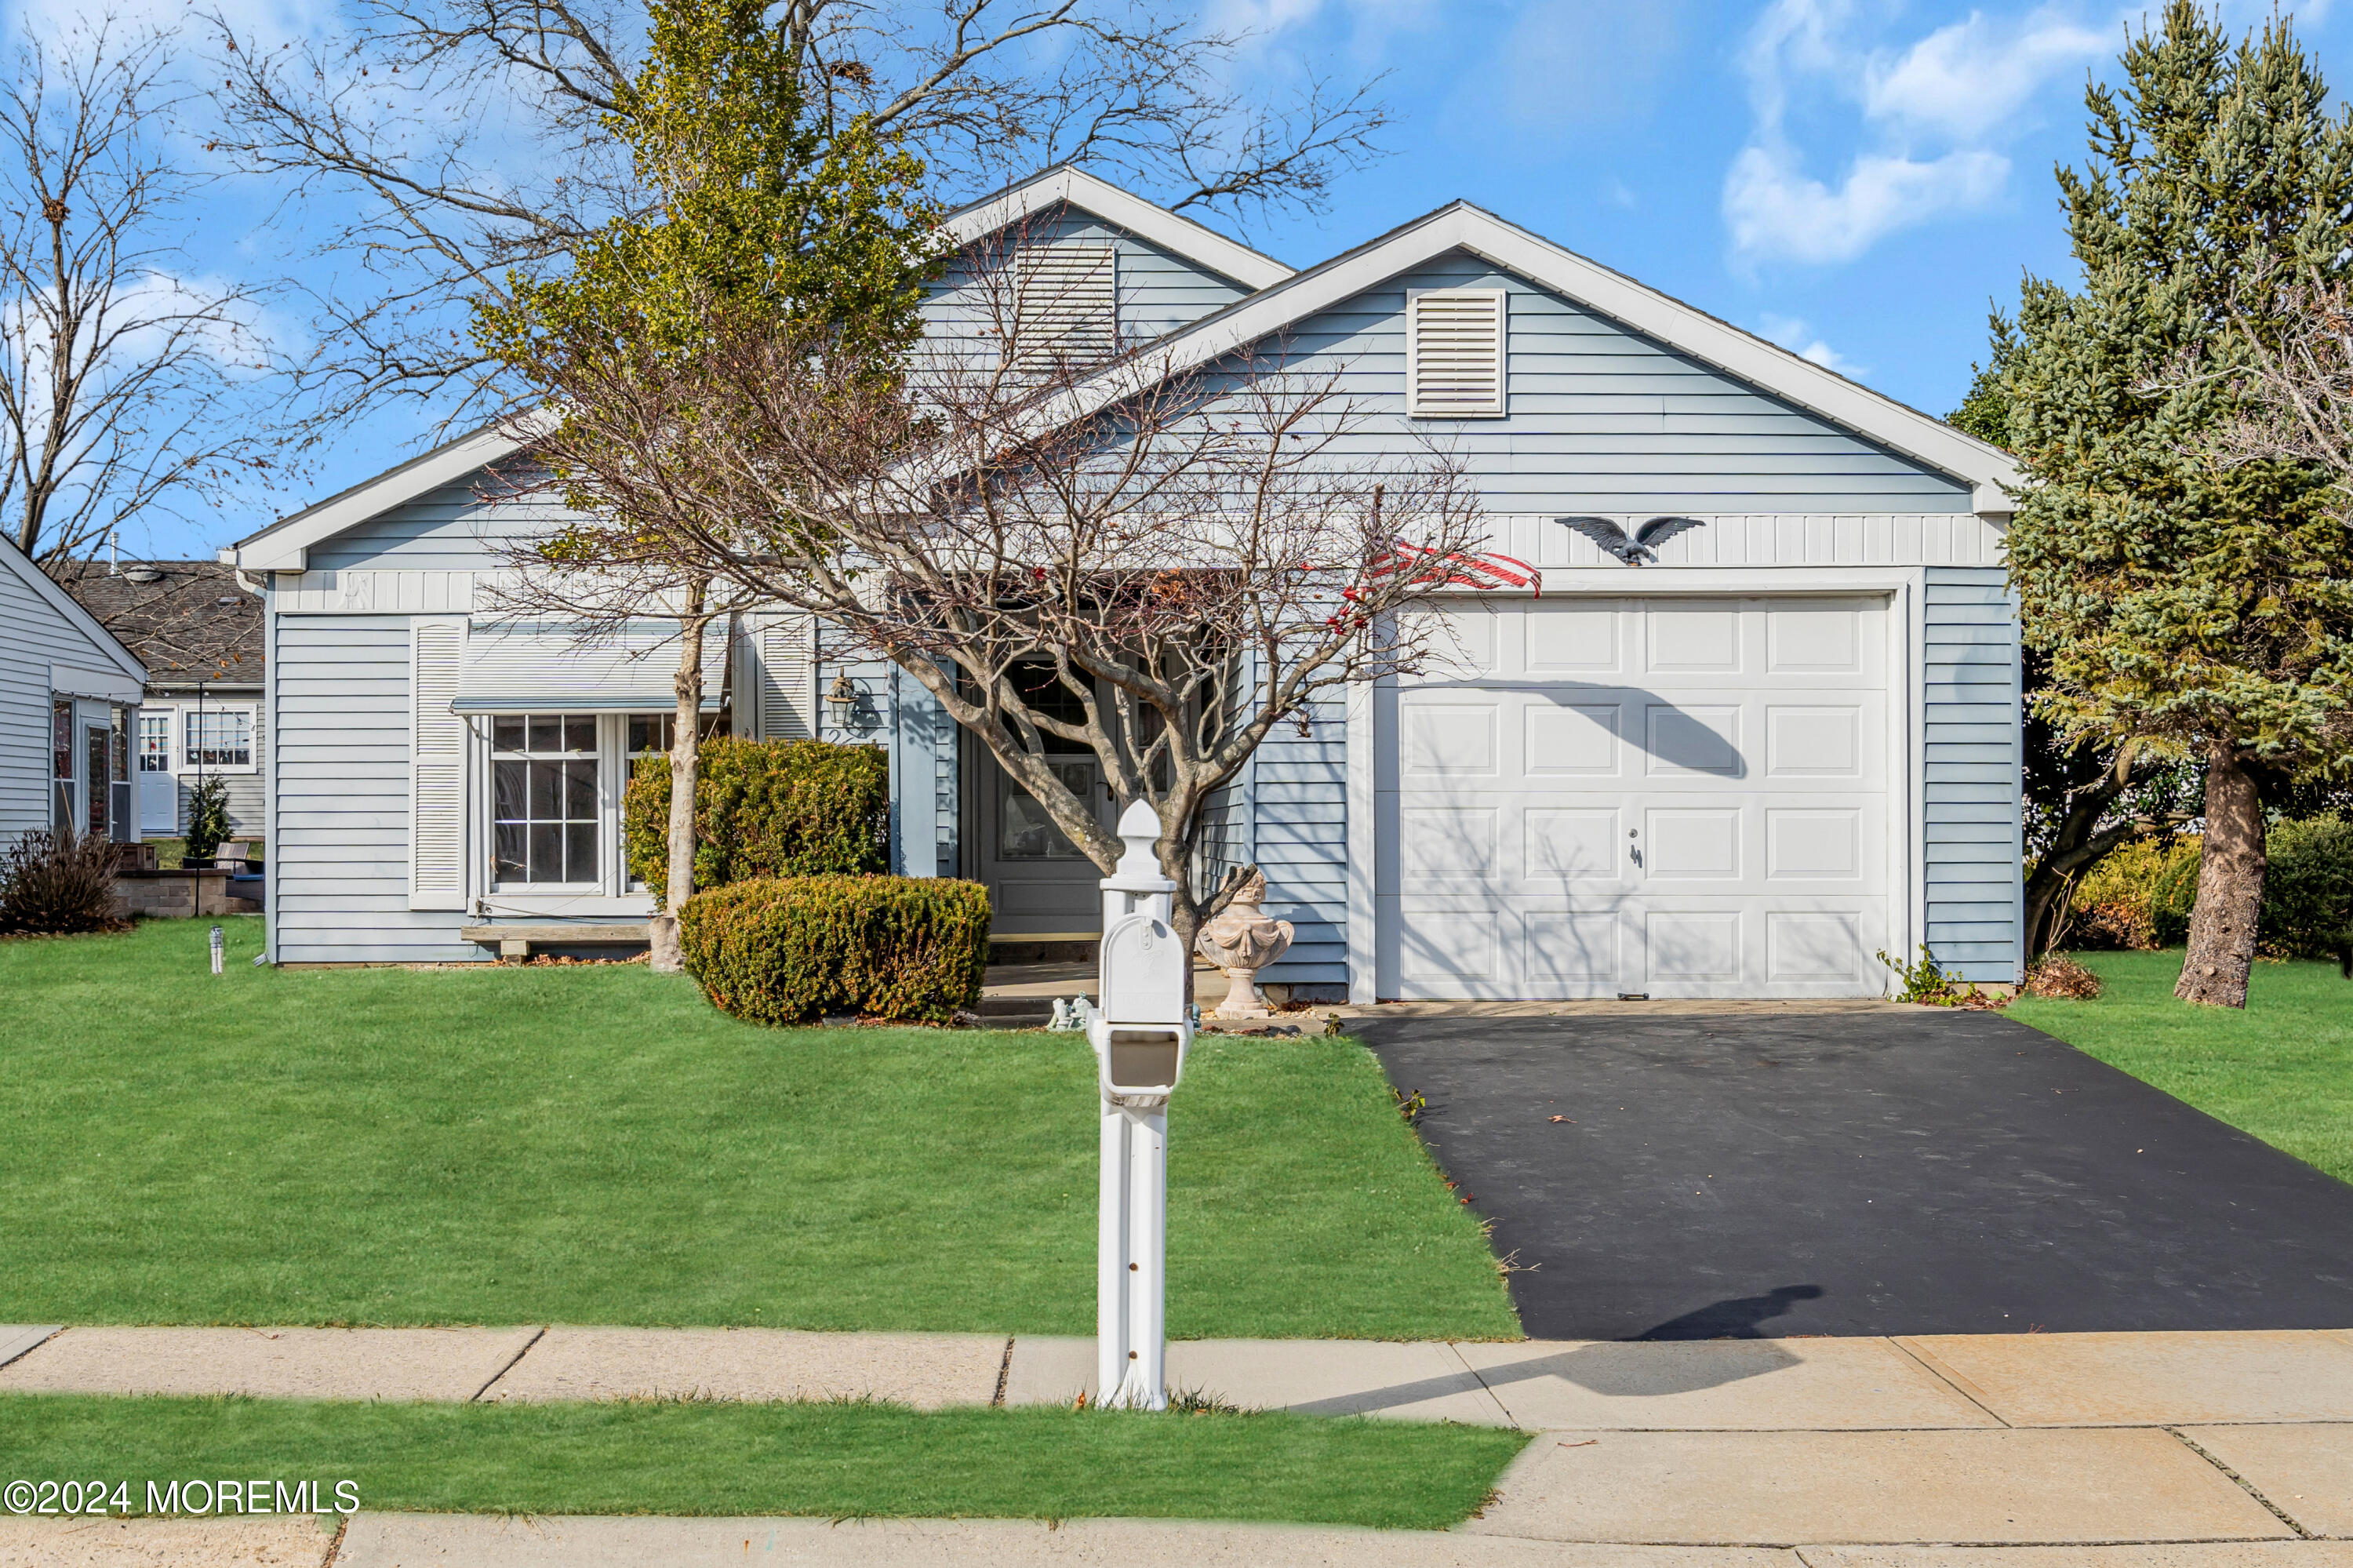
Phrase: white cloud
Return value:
(1928, 121)
(1790, 332)
(1969, 79)
(1775, 209)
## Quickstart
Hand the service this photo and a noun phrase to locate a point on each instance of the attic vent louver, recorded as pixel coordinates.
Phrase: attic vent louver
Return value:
(1454, 353)
(1066, 306)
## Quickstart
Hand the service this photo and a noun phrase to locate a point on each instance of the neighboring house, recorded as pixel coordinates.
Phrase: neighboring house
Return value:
(199, 633)
(69, 702)
(1792, 743)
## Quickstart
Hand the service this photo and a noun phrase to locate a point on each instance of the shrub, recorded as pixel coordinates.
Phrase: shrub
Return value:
(2137, 895)
(2309, 890)
(765, 809)
(59, 883)
(787, 949)
(208, 817)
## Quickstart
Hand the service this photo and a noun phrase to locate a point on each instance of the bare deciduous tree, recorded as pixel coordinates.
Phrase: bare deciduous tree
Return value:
(124, 384)
(1147, 566)
(471, 135)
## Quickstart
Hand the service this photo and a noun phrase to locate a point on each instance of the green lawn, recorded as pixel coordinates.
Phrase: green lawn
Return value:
(2282, 1070)
(746, 1459)
(595, 1145)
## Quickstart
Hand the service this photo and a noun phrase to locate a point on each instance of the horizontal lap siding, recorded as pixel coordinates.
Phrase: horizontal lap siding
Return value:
(1972, 773)
(459, 527)
(1602, 419)
(1158, 292)
(340, 857)
(1301, 844)
(39, 636)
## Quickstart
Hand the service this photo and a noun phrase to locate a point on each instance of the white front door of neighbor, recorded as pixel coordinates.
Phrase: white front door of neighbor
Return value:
(1680, 798)
(158, 786)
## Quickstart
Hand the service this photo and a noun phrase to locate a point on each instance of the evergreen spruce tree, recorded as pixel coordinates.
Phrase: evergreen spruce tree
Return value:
(2201, 606)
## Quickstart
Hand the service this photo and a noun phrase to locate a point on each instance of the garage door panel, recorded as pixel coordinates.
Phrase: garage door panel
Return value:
(1687, 739)
(1569, 848)
(1737, 748)
(1448, 844)
(1814, 742)
(1450, 740)
(1571, 740)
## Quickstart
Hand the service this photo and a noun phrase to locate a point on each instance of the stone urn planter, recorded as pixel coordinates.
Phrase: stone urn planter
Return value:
(1242, 941)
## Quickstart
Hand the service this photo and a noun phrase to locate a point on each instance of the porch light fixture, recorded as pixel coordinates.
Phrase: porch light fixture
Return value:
(843, 698)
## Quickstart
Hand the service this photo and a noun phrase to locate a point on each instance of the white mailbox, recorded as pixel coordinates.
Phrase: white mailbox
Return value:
(1140, 1032)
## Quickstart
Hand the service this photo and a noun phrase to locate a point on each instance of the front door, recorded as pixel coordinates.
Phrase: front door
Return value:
(158, 786)
(1039, 884)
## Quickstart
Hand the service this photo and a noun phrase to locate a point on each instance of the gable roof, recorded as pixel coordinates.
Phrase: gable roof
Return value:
(283, 545)
(185, 620)
(1173, 232)
(1460, 225)
(13, 559)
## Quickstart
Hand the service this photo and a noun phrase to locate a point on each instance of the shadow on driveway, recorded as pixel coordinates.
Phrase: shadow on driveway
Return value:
(1761, 1176)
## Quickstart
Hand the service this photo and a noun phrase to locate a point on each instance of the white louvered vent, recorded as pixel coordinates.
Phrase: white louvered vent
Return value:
(1065, 314)
(437, 767)
(787, 678)
(1454, 353)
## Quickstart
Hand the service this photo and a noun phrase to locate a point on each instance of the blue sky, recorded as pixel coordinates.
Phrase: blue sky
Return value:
(1856, 179)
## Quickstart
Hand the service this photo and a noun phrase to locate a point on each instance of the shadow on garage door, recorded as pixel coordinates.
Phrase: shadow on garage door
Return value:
(1880, 1172)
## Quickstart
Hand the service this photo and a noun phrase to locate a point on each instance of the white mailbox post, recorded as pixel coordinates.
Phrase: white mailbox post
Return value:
(1140, 1035)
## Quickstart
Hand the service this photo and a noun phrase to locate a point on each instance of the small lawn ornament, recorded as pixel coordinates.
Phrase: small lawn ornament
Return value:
(216, 950)
(1070, 1016)
(1140, 1033)
(1242, 941)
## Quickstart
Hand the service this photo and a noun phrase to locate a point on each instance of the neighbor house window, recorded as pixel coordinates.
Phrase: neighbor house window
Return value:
(61, 764)
(220, 737)
(154, 743)
(544, 799)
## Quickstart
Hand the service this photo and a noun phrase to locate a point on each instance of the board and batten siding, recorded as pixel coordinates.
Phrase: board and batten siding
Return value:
(1602, 420)
(339, 858)
(1972, 774)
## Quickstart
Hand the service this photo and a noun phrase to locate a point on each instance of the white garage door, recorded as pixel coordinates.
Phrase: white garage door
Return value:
(1681, 798)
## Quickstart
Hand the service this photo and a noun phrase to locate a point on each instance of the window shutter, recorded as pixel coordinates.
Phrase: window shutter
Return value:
(1454, 353)
(1066, 305)
(437, 767)
(787, 677)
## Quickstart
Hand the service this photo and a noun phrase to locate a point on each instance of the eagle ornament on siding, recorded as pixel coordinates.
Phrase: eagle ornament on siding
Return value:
(1632, 550)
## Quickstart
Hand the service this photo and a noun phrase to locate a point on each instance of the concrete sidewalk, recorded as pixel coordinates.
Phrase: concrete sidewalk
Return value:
(2221, 1450)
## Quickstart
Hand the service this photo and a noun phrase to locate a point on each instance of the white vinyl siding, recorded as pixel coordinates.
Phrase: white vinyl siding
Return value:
(1454, 355)
(436, 791)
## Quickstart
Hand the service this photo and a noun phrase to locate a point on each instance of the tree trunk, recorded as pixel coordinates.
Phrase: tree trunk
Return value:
(685, 770)
(2230, 886)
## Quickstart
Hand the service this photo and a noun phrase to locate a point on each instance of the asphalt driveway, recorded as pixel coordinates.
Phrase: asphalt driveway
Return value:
(1884, 1171)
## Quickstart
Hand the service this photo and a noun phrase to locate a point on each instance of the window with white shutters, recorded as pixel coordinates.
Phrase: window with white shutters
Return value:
(1065, 306)
(1454, 353)
(437, 767)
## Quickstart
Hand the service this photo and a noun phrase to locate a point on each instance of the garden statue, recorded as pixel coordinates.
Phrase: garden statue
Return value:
(1242, 941)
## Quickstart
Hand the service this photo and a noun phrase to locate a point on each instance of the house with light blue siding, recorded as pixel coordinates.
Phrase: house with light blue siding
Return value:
(68, 707)
(1788, 741)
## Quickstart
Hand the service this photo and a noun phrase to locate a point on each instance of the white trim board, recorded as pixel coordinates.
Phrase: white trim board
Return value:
(1463, 227)
(1067, 186)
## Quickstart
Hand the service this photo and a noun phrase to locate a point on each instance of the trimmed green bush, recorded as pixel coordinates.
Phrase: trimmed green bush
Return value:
(765, 809)
(787, 949)
(2309, 889)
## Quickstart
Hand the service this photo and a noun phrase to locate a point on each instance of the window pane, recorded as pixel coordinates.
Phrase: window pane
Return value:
(510, 866)
(580, 791)
(506, 732)
(580, 851)
(649, 731)
(506, 790)
(547, 791)
(547, 852)
(546, 732)
(580, 733)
